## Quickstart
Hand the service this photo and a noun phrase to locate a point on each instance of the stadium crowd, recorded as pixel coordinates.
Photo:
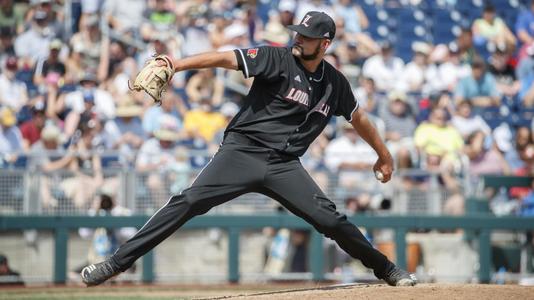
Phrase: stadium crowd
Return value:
(450, 95)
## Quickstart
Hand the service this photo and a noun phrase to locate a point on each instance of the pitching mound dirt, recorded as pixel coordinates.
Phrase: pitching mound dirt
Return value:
(383, 292)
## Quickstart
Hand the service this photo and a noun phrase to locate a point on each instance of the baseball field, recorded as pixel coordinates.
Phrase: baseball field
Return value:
(275, 292)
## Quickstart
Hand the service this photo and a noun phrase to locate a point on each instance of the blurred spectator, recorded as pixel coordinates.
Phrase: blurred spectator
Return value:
(350, 157)
(367, 95)
(527, 203)
(7, 48)
(484, 157)
(400, 125)
(385, 69)
(353, 16)
(204, 84)
(88, 97)
(33, 44)
(443, 72)
(275, 34)
(203, 121)
(466, 49)
(235, 36)
(196, 35)
(441, 100)
(125, 133)
(503, 71)
(31, 129)
(54, 15)
(416, 72)
(525, 74)
(105, 240)
(88, 45)
(157, 158)
(437, 140)
(86, 166)
(48, 156)
(172, 106)
(8, 276)
(479, 88)
(492, 29)
(160, 15)
(125, 19)
(10, 136)
(468, 123)
(524, 26)
(13, 92)
(228, 110)
(11, 17)
(52, 70)
(305, 6)
(219, 21)
(287, 10)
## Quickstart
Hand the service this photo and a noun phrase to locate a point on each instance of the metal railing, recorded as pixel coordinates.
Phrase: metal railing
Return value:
(481, 225)
(32, 191)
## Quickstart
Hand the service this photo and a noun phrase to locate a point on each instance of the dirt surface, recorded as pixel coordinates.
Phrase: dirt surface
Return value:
(275, 292)
(383, 292)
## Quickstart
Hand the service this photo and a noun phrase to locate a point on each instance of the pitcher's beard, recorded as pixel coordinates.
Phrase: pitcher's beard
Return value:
(299, 52)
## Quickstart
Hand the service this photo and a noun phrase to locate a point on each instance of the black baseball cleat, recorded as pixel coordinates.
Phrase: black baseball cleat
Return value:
(96, 274)
(398, 277)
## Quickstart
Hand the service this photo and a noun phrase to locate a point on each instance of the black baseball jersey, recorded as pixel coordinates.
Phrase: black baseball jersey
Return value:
(288, 106)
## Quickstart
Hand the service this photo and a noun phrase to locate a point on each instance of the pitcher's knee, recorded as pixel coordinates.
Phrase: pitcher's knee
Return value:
(329, 226)
(191, 202)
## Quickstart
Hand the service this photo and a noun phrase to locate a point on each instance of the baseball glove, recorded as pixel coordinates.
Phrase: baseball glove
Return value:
(154, 77)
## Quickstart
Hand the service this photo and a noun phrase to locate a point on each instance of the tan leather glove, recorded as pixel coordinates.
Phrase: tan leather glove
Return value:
(154, 77)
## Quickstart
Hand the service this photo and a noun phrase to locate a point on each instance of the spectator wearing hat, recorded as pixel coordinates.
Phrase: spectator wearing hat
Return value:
(492, 29)
(172, 105)
(33, 44)
(416, 72)
(287, 10)
(479, 88)
(385, 69)
(51, 71)
(89, 98)
(13, 92)
(156, 158)
(160, 15)
(400, 124)
(125, 133)
(89, 44)
(31, 129)
(49, 156)
(10, 136)
(8, 277)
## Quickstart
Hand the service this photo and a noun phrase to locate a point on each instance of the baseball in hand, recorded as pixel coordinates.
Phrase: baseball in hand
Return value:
(379, 176)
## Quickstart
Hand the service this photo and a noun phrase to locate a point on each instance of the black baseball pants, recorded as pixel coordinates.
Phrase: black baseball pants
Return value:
(241, 166)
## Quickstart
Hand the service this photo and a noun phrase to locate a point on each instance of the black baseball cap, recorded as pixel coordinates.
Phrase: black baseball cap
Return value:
(316, 24)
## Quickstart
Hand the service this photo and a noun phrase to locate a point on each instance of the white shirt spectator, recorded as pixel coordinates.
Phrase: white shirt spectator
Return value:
(34, 45)
(12, 92)
(127, 14)
(104, 104)
(151, 153)
(386, 74)
(467, 126)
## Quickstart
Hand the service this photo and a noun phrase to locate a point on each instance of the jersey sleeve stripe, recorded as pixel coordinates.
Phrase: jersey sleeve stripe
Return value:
(244, 62)
(355, 109)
